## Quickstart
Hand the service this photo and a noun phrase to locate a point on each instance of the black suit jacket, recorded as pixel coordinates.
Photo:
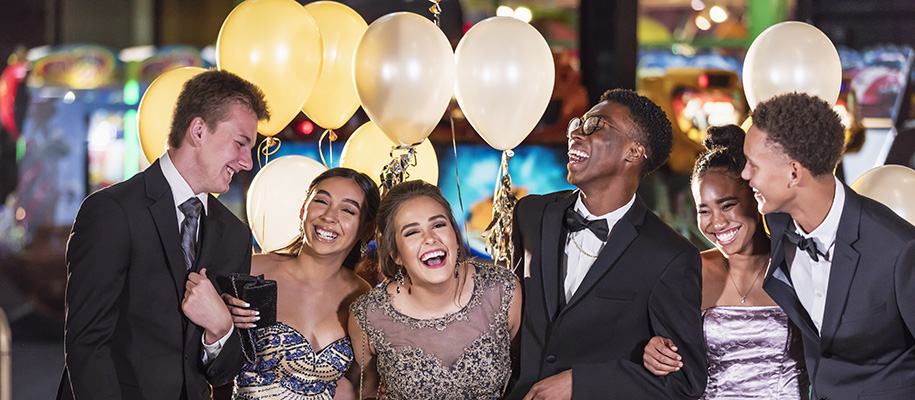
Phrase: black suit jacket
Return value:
(866, 348)
(126, 336)
(645, 282)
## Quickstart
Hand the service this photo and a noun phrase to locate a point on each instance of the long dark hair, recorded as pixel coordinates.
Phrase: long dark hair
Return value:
(368, 209)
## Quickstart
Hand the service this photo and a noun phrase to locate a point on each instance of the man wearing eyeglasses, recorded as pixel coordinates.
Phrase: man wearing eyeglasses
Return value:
(602, 273)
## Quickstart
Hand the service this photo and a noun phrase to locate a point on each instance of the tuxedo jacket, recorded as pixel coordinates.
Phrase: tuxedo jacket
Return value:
(865, 349)
(645, 282)
(126, 336)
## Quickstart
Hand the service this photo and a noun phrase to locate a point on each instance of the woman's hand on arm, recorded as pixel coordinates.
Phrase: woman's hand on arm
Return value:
(242, 316)
(660, 356)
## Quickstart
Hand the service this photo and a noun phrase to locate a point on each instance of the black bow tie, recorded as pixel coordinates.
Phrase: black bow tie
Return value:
(805, 244)
(575, 222)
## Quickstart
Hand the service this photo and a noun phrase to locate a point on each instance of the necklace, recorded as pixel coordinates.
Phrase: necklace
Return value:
(743, 297)
(581, 249)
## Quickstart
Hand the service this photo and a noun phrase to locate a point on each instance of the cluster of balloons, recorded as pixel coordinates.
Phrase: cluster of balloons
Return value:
(324, 60)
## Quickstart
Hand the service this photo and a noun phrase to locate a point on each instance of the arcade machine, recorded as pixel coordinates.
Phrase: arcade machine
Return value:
(695, 99)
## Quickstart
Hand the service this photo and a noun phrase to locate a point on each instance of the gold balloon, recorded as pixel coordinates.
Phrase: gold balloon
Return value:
(404, 75)
(892, 185)
(276, 45)
(154, 115)
(368, 150)
(333, 100)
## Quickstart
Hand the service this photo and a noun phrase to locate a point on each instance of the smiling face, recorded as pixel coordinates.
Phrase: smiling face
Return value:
(597, 157)
(426, 244)
(224, 150)
(725, 212)
(332, 217)
(769, 172)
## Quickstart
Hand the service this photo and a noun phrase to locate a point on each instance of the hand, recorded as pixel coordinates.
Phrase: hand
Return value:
(660, 357)
(558, 386)
(203, 307)
(242, 315)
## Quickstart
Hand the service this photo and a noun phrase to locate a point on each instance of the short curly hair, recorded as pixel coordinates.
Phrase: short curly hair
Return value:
(654, 131)
(805, 127)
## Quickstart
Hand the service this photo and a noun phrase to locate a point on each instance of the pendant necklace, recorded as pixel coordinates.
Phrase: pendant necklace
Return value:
(743, 297)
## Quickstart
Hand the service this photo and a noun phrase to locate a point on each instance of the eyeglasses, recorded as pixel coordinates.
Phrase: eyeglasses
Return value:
(588, 125)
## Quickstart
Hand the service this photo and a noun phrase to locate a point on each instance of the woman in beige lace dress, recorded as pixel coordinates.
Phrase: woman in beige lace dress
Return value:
(441, 326)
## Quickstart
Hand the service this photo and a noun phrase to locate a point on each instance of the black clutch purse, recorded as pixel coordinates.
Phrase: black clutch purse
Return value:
(260, 293)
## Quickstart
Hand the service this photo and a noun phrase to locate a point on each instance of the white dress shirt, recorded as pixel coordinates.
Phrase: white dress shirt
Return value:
(811, 278)
(181, 191)
(582, 247)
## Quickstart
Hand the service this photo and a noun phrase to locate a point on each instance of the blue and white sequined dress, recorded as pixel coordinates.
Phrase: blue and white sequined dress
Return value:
(287, 367)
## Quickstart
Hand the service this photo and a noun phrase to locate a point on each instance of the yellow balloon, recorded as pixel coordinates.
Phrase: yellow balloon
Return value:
(333, 100)
(368, 151)
(276, 45)
(404, 74)
(154, 116)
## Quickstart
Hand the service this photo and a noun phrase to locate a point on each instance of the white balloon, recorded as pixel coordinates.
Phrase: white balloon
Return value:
(403, 70)
(791, 57)
(504, 80)
(275, 198)
(891, 185)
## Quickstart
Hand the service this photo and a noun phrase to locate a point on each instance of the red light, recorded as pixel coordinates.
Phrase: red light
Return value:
(703, 81)
(305, 127)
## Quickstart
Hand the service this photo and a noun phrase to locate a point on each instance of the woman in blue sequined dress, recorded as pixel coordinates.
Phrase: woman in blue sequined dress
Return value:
(754, 352)
(307, 352)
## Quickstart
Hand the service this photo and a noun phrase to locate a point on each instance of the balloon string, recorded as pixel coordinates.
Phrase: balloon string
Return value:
(436, 11)
(330, 145)
(265, 148)
(457, 176)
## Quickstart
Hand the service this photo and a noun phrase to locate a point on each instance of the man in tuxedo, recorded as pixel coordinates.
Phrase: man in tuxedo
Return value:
(602, 273)
(144, 320)
(843, 265)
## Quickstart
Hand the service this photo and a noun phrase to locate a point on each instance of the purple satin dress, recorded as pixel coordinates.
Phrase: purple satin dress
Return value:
(753, 353)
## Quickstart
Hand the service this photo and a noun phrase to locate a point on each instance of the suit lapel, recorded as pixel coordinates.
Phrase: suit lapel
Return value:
(844, 264)
(165, 215)
(778, 277)
(211, 234)
(551, 249)
(621, 236)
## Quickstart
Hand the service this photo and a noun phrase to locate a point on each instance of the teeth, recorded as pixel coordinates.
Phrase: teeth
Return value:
(437, 253)
(577, 155)
(727, 236)
(326, 234)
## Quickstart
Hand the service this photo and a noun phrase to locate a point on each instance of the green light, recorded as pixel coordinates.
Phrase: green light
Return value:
(131, 145)
(20, 149)
(131, 92)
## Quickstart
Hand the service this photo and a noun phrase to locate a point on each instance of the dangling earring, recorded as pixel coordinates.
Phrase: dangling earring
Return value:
(399, 278)
(363, 249)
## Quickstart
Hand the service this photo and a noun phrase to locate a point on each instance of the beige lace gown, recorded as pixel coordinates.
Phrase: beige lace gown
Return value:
(464, 355)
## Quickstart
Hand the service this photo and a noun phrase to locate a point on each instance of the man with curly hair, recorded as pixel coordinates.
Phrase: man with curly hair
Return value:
(843, 265)
(602, 273)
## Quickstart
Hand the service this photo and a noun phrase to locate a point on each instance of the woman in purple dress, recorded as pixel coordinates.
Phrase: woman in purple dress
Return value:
(753, 350)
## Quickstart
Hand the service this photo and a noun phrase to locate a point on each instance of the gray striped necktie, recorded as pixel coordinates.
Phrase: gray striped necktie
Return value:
(191, 209)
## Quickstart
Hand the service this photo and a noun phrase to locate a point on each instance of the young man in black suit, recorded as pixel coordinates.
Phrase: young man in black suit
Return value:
(144, 320)
(602, 273)
(843, 265)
